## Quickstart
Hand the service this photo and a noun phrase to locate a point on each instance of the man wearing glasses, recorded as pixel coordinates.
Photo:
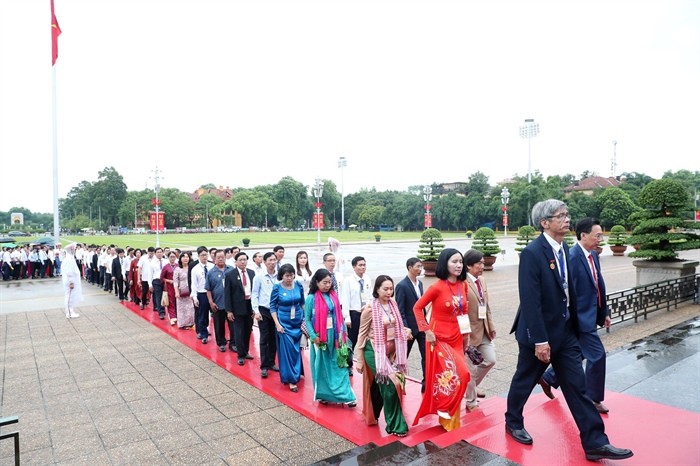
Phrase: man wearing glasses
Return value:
(592, 310)
(546, 327)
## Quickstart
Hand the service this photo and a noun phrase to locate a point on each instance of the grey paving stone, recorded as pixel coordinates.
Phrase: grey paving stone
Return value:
(232, 445)
(175, 440)
(254, 456)
(254, 421)
(207, 417)
(237, 409)
(159, 429)
(289, 447)
(217, 430)
(271, 433)
(77, 448)
(160, 415)
(106, 422)
(134, 453)
(200, 453)
(123, 436)
(91, 459)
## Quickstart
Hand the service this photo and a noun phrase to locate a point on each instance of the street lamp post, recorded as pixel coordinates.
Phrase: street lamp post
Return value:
(156, 188)
(427, 197)
(318, 192)
(529, 130)
(342, 163)
(505, 197)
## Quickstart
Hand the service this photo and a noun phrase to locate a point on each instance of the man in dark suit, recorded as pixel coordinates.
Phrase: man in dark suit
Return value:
(238, 285)
(592, 310)
(407, 293)
(545, 327)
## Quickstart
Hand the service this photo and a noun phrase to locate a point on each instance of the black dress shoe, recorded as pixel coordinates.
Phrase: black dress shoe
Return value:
(204, 340)
(233, 348)
(248, 356)
(241, 361)
(275, 368)
(546, 388)
(608, 452)
(519, 435)
(264, 374)
(222, 348)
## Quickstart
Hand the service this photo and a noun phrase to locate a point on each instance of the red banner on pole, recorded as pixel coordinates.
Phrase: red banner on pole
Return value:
(428, 220)
(157, 223)
(316, 222)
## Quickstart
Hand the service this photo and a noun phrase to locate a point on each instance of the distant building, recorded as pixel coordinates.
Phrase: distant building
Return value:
(590, 184)
(233, 218)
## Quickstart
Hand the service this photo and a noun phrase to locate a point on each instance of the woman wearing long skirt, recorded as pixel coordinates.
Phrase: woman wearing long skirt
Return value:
(166, 278)
(447, 338)
(72, 282)
(287, 310)
(327, 332)
(183, 296)
(381, 358)
(134, 279)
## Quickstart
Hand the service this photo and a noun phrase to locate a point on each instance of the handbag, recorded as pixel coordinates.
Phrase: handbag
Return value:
(475, 355)
(164, 301)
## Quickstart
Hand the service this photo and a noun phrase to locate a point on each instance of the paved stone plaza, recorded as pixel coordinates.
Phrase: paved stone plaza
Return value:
(109, 388)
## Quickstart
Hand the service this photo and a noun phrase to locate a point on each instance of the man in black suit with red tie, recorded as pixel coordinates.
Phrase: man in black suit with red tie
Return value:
(545, 327)
(238, 285)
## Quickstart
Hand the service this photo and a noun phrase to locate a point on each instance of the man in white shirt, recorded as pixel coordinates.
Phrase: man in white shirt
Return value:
(258, 263)
(199, 279)
(156, 286)
(355, 292)
(146, 274)
(260, 299)
(279, 254)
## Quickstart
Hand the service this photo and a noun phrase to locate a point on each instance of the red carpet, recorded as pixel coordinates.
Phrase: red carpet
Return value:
(657, 434)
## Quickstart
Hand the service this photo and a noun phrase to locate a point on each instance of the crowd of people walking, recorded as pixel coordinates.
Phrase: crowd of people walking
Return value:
(354, 324)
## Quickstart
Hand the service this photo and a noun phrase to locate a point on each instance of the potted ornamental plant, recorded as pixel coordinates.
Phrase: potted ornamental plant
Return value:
(662, 231)
(526, 234)
(618, 240)
(486, 242)
(377, 237)
(429, 248)
(246, 242)
(469, 234)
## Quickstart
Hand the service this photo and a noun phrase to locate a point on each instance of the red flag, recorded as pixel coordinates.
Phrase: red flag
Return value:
(55, 32)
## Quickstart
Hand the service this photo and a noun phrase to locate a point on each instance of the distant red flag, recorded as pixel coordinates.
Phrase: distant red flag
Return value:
(55, 32)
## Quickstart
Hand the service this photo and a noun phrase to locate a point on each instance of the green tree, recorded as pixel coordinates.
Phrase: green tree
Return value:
(615, 207)
(108, 193)
(291, 199)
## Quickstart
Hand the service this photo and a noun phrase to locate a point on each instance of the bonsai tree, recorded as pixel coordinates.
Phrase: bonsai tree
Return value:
(486, 242)
(430, 245)
(429, 248)
(660, 230)
(618, 236)
(618, 240)
(526, 234)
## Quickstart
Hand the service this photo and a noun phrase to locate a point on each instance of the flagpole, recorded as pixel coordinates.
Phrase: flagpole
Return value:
(54, 143)
(55, 32)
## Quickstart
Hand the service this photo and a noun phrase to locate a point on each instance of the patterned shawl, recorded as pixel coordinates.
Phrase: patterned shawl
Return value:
(384, 366)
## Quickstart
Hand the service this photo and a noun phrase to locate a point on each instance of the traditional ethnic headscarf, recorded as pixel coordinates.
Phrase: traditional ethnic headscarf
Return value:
(383, 364)
(321, 315)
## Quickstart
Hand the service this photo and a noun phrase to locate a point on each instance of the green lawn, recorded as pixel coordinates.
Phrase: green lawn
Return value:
(192, 240)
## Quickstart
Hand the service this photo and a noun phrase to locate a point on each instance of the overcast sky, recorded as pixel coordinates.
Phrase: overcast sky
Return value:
(242, 93)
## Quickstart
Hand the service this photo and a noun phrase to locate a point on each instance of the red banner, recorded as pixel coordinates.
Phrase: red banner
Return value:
(316, 223)
(55, 32)
(697, 215)
(157, 223)
(428, 220)
(505, 220)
